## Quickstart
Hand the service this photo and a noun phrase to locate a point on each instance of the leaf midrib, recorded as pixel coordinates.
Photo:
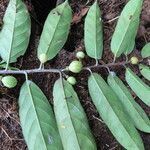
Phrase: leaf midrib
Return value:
(65, 99)
(130, 101)
(12, 38)
(32, 101)
(126, 30)
(60, 16)
(113, 110)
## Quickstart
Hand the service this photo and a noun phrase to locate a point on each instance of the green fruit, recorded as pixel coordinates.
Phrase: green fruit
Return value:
(43, 58)
(71, 80)
(80, 55)
(134, 60)
(75, 66)
(9, 81)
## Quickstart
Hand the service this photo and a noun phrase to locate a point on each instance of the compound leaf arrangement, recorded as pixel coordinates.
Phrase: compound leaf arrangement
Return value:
(65, 125)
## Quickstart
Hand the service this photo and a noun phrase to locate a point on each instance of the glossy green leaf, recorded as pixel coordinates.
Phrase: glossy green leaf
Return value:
(15, 34)
(93, 33)
(71, 119)
(37, 119)
(112, 112)
(123, 39)
(146, 51)
(56, 30)
(137, 114)
(145, 71)
(138, 86)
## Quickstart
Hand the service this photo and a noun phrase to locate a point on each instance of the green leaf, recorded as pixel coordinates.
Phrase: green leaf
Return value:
(137, 114)
(37, 119)
(15, 34)
(138, 86)
(146, 51)
(71, 119)
(56, 30)
(113, 114)
(93, 32)
(145, 71)
(123, 39)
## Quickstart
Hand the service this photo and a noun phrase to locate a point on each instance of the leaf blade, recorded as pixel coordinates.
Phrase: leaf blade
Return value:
(37, 119)
(138, 86)
(137, 114)
(126, 28)
(71, 119)
(112, 113)
(93, 34)
(146, 51)
(145, 71)
(55, 31)
(15, 34)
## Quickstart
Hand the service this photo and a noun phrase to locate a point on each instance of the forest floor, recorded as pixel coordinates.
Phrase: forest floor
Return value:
(10, 131)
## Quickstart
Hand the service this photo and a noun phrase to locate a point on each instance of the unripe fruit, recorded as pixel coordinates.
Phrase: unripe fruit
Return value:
(75, 66)
(80, 55)
(134, 60)
(9, 81)
(71, 80)
(43, 58)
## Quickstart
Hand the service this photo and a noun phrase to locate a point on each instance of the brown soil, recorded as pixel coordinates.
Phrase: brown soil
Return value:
(10, 133)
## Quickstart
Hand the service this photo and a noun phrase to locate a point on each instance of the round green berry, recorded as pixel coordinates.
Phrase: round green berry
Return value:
(9, 81)
(75, 66)
(80, 55)
(134, 60)
(43, 58)
(71, 80)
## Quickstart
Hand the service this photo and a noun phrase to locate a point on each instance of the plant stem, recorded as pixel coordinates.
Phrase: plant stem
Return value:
(108, 65)
(32, 71)
(29, 71)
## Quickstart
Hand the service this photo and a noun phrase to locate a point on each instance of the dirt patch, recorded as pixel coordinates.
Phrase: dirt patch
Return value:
(11, 135)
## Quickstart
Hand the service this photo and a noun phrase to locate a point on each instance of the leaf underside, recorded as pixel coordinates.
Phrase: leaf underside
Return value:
(113, 114)
(71, 119)
(137, 114)
(37, 119)
(56, 30)
(138, 86)
(93, 34)
(146, 51)
(123, 39)
(145, 71)
(15, 34)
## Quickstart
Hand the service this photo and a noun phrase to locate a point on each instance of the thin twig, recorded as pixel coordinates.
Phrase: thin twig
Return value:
(29, 71)
(107, 65)
(32, 71)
